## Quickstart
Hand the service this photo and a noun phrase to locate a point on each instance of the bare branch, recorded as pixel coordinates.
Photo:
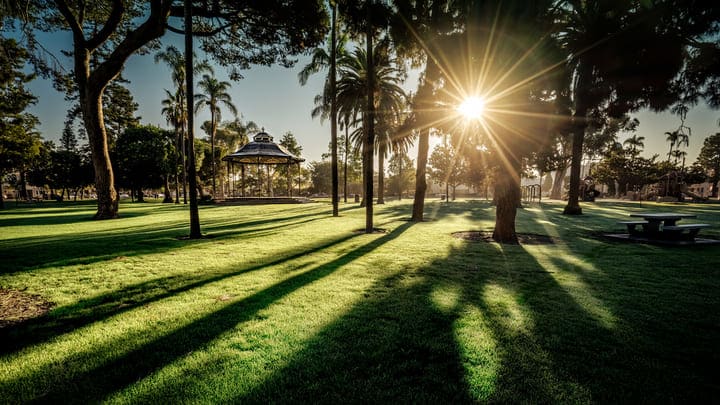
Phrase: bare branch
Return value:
(151, 29)
(118, 9)
(72, 22)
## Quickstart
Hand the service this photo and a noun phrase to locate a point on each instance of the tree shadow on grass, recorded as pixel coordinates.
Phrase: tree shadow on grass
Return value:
(667, 314)
(95, 309)
(97, 384)
(402, 345)
(73, 248)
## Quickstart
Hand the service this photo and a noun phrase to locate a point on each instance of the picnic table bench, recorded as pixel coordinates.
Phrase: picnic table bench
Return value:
(677, 230)
(663, 225)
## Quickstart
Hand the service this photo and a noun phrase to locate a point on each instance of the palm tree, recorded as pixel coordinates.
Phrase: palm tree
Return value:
(215, 93)
(389, 100)
(678, 155)
(635, 143)
(672, 138)
(367, 19)
(173, 110)
(176, 61)
(326, 103)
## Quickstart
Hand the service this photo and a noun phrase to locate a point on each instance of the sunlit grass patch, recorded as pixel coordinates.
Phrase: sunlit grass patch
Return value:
(287, 304)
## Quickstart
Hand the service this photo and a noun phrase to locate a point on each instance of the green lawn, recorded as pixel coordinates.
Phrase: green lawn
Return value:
(288, 304)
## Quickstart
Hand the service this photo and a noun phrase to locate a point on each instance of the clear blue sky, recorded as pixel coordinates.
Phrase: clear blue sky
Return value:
(273, 98)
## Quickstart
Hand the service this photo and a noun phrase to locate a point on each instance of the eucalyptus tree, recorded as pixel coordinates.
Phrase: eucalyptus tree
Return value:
(115, 29)
(496, 88)
(709, 160)
(624, 56)
(215, 94)
(421, 31)
(19, 142)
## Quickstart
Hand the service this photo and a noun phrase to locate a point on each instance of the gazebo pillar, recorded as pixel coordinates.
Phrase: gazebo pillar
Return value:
(229, 169)
(242, 180)
(289, 182)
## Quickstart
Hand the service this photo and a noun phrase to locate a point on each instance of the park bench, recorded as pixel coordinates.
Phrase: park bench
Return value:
(677, 231)
(631, 226)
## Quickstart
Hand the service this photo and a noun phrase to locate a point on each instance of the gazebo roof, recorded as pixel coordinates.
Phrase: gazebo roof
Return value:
(262, 150)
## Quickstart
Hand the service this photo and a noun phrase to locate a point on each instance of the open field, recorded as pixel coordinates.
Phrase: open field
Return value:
(287, 304)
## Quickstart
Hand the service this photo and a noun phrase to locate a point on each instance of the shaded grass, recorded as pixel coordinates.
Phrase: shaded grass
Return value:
(287, 304)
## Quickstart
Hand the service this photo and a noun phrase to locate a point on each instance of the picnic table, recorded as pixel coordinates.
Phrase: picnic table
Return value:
(663, 225)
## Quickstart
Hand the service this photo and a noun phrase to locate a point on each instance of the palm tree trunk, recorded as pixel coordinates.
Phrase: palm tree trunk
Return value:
(194, 213)
(184, 166)
(369, 138)
(212, 149)
(420, 182)
(381, 174)
(400, 178)
(333, 115)
(345, 157)
(178, 145)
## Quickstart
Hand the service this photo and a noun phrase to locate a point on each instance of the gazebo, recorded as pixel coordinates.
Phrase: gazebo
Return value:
(262, 151)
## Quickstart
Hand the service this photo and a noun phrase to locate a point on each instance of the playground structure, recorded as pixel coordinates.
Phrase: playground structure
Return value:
(587, 189)
(672, 186)
(531, 193)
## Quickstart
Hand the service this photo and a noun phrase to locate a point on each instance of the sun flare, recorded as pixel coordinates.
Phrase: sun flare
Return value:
(472, 108)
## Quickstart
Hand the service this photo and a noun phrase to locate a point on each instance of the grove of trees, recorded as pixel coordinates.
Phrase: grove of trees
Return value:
(558, 80)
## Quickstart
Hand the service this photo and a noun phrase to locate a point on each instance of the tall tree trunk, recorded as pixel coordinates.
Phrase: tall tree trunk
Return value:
(400, 178)
(420, 182)
(178, 161)
(91, 104)
(184, 165)
(507, 196)
(23, 185)
(212, 149)
(92, 84)
(345, 158)
(369, 138)
(192, 172)
(579, 124)
(556, 190)
(333, 115)
(166, 186)
(2, 194)
(177, 187)
(381, 173)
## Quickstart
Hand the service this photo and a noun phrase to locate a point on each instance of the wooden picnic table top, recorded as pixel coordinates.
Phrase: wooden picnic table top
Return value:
(661, 216)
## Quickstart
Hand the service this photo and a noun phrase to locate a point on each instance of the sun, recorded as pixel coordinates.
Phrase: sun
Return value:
(472, 108)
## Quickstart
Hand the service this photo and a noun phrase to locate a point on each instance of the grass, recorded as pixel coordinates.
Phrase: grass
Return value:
(287, 304)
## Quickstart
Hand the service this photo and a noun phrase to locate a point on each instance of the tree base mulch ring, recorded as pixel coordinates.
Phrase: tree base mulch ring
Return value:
(523, 238)
(375, 230)
(17, 307)
(187, 237)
